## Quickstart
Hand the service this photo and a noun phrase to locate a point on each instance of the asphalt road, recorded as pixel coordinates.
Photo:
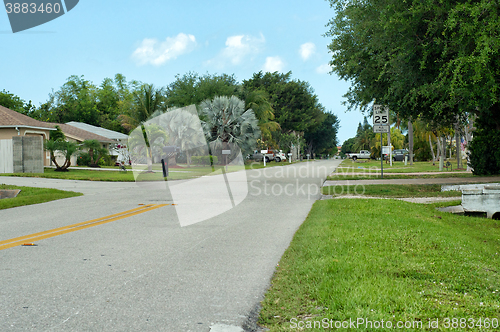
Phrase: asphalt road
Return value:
(144, 272)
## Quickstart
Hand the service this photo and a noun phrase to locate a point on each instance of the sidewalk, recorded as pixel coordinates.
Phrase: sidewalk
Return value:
(415, 174)
(485, 179)
(117, 169)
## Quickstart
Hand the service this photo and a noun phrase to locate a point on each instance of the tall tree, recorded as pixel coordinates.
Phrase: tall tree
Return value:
(146, 100)
(258, 101)
(15, 103)
(296, 107)
(323, 139)
(192, 89)
(114, 97)
(76, 100)
(433, 58)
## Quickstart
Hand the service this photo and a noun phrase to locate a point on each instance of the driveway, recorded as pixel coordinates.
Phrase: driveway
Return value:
(144, 272)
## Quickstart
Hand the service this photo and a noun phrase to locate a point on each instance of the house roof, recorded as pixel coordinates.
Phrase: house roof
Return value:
(80, 134)
(114, 135)
(12, 119)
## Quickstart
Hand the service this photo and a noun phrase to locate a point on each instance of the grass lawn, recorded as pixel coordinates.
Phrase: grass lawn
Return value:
(180, 173)
(30, 195)
(102, 175)
(78, 174)
(387, 260)
(374, 176)
(391, 190)
(349, 166)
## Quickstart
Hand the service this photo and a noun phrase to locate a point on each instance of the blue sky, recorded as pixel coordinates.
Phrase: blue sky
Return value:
(152, 41)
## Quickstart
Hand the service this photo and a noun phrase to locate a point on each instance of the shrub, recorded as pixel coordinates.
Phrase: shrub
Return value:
(106, 160)
(181, 158)
(484, 152)
(422, 151)
(204, 160)
(83, 159)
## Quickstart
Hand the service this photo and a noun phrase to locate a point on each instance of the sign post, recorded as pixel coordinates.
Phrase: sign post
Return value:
(226, 153)
(169, 152)
(381, 158)
(381, 125)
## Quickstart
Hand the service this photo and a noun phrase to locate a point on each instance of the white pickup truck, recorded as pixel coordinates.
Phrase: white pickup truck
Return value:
(271, 155)
(363, 154)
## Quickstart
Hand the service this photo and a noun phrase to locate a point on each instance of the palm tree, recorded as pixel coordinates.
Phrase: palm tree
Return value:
(96, 152)
(363, 140)
(146, 141)
(146, 100)
(258, 101)
(184, 130)
(227, 122)
(64, 147)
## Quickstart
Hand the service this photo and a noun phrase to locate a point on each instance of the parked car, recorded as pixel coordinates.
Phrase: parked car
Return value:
(399, 155)
(363, 154)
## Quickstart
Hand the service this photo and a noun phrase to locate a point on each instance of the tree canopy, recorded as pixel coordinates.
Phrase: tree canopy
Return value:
(192, 88)
(433, 58)
(282, 106)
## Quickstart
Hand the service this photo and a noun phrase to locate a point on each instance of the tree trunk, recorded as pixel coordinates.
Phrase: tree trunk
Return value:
(438, 147)
(150, 160)
(457, 145)
(469, 128)
(451, 146)
(432, 151)
(298, 151)
(443, 149)
(410, 140)
(91, 154)
(389, 145)
(188, 159)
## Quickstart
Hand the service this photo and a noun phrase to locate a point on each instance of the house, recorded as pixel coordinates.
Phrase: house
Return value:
(14, 124)
(78, 136)
(120, 140)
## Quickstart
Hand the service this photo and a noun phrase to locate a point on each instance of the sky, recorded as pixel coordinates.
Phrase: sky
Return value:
(153, 41)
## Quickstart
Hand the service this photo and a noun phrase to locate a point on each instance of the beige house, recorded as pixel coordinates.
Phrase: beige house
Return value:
(16, 124)
(13, 124)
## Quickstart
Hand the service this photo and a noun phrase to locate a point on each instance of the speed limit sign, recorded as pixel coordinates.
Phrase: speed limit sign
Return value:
(380, 115)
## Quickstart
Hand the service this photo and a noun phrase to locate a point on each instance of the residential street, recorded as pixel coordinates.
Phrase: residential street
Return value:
(144, 272)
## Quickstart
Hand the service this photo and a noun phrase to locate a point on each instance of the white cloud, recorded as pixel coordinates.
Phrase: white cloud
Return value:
(324, 69)
(306, 50)
(238, 49)
(273, 63)
(157, 53)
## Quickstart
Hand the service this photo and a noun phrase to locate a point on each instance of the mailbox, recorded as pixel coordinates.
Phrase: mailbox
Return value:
(169, 151)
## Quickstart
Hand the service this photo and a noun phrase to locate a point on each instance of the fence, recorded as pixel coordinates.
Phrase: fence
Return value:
(6, 156)
(27, 153)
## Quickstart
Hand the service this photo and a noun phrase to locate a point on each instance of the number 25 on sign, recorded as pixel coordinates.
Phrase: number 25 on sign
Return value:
(380, 114)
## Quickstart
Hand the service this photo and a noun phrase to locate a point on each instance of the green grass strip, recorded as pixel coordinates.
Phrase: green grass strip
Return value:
(30, 195)
(391, 190)
(351, 166)
(368, 176)
(386, 260)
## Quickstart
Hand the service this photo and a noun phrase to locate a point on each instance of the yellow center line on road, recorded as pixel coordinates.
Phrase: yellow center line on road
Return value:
(76, 227)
